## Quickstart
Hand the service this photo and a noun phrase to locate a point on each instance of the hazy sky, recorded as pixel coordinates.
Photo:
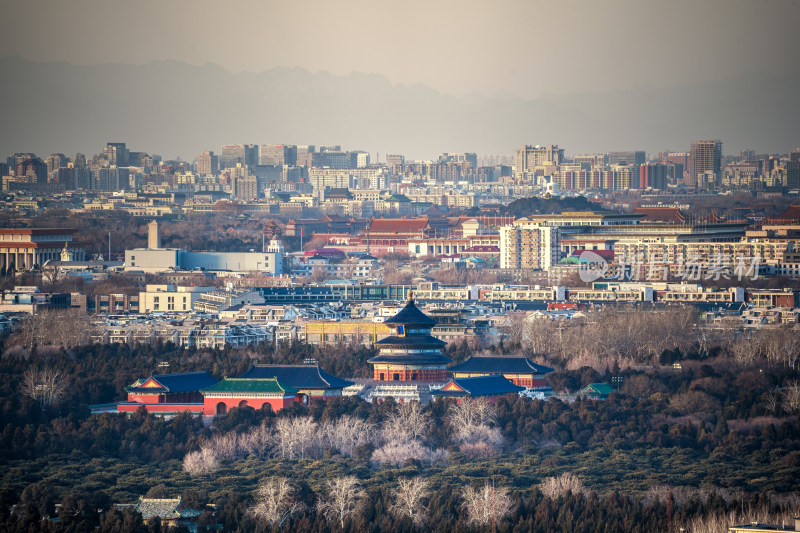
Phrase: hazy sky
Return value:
(527, 48)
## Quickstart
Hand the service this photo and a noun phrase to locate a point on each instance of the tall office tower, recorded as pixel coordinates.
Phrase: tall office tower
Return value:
(79, 161)
(704, 156)
(75, 178)
(231, 155)
(117, 154)
(334, 159)
(250, 155)
(54, 162)
(4, 170)
(273, 154)
(207, 163)
(793, 170)
(747, 155)
(529, 157)
(527, 244)
(112, 179)
(304, 155)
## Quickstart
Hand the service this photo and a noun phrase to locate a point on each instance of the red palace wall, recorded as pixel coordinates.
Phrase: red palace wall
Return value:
(439, 374)
(529, 382)
(143, 398)
(210, 404)
(195, 408)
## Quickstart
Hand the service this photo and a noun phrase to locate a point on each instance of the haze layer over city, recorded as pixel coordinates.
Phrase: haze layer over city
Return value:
(369, 266)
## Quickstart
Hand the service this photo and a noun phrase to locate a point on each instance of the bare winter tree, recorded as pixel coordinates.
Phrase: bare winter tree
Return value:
(46, 385)
(472, 421)
(275, 502)
(791, 398)
(258, 441)
(487, 505)
(745, 349)
(52, 276)
(343, 498)
(407, 422)
(771, 402)
(67, 327)
(225, 446)
(296, 437)
(472, 412)
(554, 487)
(398, 453)
(409, 497)
(347, 433)
(202, 461)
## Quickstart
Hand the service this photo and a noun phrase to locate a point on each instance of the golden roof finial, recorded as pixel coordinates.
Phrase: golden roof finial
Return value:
(410, 295)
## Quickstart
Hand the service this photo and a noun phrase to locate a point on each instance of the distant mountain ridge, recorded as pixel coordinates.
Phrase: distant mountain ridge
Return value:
(175, 109)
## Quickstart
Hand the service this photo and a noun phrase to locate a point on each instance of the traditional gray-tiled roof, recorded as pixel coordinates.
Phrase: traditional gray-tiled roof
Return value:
(411, 341)
(165, 509)
(297, 376)
(493, 385)
(182, 382)
(500, 365)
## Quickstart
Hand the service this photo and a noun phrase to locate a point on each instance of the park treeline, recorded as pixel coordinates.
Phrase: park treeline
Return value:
(713, 436)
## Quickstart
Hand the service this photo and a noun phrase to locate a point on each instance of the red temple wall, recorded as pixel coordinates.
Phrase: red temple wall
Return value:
(160, 407)
(210, 404)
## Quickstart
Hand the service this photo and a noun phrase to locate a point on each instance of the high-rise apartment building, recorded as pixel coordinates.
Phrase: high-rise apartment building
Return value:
(361, 158)
(117, 154)
(33, 169)
(528, 244)
(55, 162)
(245, 188)
(653, 176)
(633, 159)
(529, 157)
(207, 163)
(704, 157)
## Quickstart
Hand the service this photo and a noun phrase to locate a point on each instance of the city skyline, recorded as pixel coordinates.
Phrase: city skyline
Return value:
(405, 79)
(525, 49)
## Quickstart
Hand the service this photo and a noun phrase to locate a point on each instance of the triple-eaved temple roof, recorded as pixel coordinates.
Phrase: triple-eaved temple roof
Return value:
(297, 376)
(410, 315)
(500, 365)
(162, 383)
